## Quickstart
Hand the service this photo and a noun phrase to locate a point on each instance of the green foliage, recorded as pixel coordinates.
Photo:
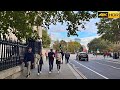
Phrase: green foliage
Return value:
(46, 39)
(21, 22)
(71, 46)
(101, 44)
(109, 29)
(81, 49)
(56, 45)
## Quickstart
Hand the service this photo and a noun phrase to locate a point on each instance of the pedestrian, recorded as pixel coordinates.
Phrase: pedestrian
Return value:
(39, 62)
(107, 54)
(115, 55)
(96, 54)
(29, 59)
(62, 53)
(46, 54)
(51, 56)
(67, 56)
(104, 55)
(58, 60)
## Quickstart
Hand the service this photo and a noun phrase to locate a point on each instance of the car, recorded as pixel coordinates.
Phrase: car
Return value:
(82, 56)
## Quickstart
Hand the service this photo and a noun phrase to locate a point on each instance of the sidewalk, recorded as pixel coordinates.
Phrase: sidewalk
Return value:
(66, 72)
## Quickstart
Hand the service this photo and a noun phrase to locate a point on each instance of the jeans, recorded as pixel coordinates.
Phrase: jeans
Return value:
(58, 67)
(51, 65)
(28, 67)
(62, 58)
(39, 68)
(67, 59)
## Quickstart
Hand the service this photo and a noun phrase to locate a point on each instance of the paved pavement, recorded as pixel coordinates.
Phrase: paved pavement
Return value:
(98, 67)
(67, 72)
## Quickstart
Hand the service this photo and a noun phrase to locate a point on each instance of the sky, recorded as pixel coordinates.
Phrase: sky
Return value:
(59, 32)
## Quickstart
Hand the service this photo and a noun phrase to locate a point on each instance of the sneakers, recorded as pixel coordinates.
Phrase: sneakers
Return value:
(50, 72)
(38, 74)
(58, 71)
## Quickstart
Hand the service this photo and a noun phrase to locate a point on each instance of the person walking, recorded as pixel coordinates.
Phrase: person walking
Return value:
(46, 54)
(104, 55)
(29, 59)
(58, 60)
(39, 62)
(62, 53)
(67, 56)
(51, 56)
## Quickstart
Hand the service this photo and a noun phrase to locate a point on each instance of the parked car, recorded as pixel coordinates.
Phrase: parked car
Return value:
(82, 56)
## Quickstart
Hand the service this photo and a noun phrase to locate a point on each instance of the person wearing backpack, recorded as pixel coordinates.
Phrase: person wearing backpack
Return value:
(39, 62)
(58, 60)
(51, 56)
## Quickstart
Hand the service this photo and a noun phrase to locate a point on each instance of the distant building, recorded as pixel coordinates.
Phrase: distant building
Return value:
(84, 49)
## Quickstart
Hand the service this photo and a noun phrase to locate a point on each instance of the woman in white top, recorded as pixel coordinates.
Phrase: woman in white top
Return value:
(58, 60)
(39, 62)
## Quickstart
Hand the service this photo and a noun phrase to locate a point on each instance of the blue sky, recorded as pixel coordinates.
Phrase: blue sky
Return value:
(58, 32)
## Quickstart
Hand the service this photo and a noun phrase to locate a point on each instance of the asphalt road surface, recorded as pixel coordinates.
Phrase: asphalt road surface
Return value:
(97, 67)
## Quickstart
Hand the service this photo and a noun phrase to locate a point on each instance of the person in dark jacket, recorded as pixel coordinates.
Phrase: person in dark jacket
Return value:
(67, 56)
(51, 56)
(62, 53)
(29, 59)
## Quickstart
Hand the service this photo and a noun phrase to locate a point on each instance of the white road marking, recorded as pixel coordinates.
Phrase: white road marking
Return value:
(92, 70)
(75, 72)
(107, 65)
(113, 62)
(75, 68)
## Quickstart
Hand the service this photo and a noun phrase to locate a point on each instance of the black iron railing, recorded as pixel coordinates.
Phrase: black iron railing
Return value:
(11, 53)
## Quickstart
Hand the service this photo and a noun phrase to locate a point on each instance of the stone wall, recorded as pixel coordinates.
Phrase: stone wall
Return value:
(11, 73)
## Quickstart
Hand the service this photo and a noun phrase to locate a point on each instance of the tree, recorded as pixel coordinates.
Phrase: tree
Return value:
(73, 46)
(56, 45)
(21, 22)
(77, 46)
(81, 49)
(109, 29)
(101, 44)
(46, 39)
(63, 45)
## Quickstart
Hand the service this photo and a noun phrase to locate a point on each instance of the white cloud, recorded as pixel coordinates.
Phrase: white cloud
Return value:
(90, 26)
(55, 36)
(57, 30)
(86, 40)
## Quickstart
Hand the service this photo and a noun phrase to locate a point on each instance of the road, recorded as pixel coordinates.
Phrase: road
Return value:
(97, 67)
